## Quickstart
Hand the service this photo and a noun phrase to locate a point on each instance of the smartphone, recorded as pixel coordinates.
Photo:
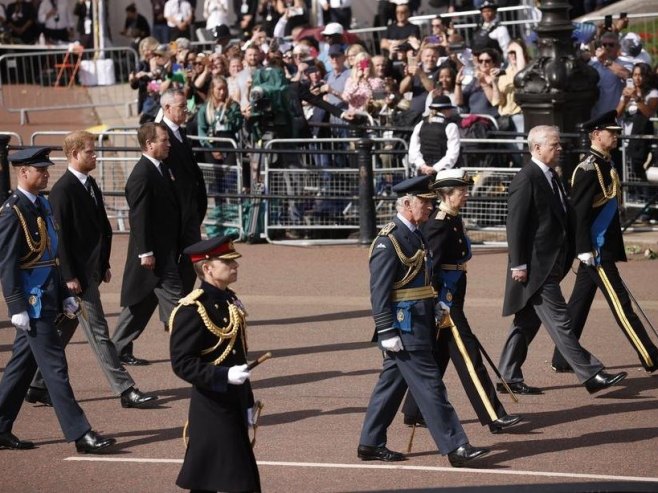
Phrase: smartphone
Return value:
(364, 64)
(412, 61)
(630, 83)
(623, 15)
(607, 22)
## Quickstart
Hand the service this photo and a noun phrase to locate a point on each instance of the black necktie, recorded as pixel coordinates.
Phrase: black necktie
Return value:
(556, 187)
(418, 233)
(90, 189)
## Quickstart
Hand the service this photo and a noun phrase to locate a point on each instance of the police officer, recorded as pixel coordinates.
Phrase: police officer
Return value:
(490, 33)
(209, 350)
(33, 290)
(434, 143)
(595, 194)
(451, 251)
(403, 306)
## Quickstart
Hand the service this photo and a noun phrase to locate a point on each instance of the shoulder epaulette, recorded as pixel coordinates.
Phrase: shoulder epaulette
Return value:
(588, 164)
(192, 297)
(9, 203)
(441, 215)
(386, 230)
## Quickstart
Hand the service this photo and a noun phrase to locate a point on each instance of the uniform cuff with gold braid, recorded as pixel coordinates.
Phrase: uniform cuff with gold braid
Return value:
(384, 322)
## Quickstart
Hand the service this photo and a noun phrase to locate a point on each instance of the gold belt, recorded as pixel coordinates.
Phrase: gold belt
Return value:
(454, 266)
(53, 262)
(411, 294)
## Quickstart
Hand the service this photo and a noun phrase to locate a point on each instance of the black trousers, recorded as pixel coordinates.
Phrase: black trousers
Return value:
(460, 345)
(606, 278)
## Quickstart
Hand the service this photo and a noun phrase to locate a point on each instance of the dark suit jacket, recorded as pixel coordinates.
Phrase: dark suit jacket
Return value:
(385, 269)
(80, 11)
(537, 228)
(190, 188)
(584, 190)
(154, 227)
(85, 238)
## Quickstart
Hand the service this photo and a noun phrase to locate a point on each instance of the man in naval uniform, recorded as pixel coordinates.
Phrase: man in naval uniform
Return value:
(209, 350)
(595, 193)
(35, 294)
(403, 308)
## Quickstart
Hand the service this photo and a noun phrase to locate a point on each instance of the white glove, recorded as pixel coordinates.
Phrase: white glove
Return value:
(71, 306)
(250, 417)
(394, 344)
(237, 374)
(444, 307)
(21, 321)
(587, 258)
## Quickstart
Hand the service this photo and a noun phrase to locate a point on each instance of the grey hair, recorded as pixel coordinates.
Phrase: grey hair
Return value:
(169, 95)
(445, 191)
(539, 135)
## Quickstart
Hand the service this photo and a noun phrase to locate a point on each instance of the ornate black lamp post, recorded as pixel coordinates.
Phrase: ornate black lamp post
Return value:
(558, 87)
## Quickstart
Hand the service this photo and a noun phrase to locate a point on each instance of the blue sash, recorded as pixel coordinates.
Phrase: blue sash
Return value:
(35, 278)
(600, 226)
(450, 278)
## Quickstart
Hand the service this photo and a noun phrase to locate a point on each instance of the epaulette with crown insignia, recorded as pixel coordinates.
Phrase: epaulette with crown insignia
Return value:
(9, 203)
(587, 164)
(386, 230)
(441, 215)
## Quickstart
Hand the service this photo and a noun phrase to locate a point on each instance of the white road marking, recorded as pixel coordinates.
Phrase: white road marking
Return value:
(460, 470)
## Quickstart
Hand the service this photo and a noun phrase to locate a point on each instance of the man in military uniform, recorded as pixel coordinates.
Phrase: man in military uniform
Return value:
(403, 306)
(451, 250)
(33, 290)
(595, 196)
(209, 350)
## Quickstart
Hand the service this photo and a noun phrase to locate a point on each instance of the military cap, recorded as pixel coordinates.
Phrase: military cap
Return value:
(488, 5)
(418, 185)
(36, 157)
(441, 102)
(452, 178)
(214, 248)
(606, 121)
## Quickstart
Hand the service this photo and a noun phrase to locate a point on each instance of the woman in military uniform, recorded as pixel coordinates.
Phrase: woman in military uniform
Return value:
(451, 251)
(209, 350)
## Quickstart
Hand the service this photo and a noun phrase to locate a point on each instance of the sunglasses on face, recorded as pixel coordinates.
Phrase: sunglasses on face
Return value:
(609, 45)
(485, 60)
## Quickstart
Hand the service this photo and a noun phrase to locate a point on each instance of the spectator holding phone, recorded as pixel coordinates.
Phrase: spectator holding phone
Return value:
(638, 103)
(361, 85)
(400, 31)
(419, 77)
(612, 73)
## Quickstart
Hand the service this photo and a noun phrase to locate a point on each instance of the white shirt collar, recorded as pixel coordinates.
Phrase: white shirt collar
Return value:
(80, 176)
(174, 127)
(412, 227)
(545, 169)
(155, 162)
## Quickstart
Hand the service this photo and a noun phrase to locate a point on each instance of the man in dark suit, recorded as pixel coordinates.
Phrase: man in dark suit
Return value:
(188, 178)
(540, 246)
(151, 275)
(595, 192)
(403, 306)
(85, 240)
(33, 290)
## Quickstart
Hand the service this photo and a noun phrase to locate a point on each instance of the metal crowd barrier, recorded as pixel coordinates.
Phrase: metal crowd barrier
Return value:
(13, 135)
(62, 79)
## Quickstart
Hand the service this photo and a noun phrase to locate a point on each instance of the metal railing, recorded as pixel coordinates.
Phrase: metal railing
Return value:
(53, 80)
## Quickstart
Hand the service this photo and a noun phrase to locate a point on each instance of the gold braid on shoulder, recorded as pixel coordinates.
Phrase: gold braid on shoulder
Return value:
(35, 249)
(228, 333)
(413, 264)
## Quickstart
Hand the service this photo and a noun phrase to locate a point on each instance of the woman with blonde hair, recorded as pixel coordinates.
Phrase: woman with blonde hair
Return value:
(361, 85)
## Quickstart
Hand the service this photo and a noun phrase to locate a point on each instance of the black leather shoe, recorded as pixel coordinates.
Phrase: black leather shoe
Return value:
(603, 380)
(519, 388)
(561, 369)
(38, 396)
(129, 359)
(11, 441)
(466, 453)
(417, 420)
(503, 422)
(364, 452)
(92, 443)
(134, 398)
